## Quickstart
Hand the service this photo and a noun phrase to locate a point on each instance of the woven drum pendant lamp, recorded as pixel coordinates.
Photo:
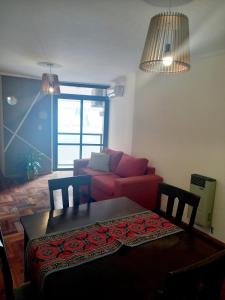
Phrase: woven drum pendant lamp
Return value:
(50, 82)
(166, 47)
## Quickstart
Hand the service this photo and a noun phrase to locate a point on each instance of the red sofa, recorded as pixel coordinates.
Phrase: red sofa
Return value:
(128, 176)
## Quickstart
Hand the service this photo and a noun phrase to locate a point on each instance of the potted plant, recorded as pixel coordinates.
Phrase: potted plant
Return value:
(33, 165)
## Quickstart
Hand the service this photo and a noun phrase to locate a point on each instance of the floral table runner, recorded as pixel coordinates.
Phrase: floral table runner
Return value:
(62, 250)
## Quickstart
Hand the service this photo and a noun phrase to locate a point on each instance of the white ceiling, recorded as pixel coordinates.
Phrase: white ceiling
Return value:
(95, 40)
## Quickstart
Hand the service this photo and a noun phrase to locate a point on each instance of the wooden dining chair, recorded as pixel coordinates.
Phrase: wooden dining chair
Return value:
(25, 291)
(199, 281)
(81, 189)
(184, 197)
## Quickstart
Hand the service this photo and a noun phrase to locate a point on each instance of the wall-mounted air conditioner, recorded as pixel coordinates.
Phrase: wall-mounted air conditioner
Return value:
(116, 91)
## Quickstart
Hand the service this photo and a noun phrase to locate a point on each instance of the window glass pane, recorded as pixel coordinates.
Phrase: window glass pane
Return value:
(92, 139)
(86, 150)
(69, 124)
(93, 116)
(81, 90)
(67, 154)
(69, 138)
(68, 116)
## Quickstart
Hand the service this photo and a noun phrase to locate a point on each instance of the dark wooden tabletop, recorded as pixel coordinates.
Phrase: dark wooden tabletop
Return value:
(131, 273)
(62, 219)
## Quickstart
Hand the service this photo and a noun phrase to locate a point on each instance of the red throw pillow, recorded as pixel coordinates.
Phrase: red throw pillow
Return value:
(130, 166)
(115, 157)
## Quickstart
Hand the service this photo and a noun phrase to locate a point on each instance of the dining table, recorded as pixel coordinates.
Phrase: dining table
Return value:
(133, 268)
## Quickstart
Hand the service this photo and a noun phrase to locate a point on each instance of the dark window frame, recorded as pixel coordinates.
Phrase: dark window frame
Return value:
(81, 98)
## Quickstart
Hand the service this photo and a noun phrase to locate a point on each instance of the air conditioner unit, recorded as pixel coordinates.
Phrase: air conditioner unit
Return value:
(116, 91)
(204, 187)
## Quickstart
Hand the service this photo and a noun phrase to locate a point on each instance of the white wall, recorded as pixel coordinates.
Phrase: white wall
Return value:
(1, 130)
(121, 117)
(179, 125)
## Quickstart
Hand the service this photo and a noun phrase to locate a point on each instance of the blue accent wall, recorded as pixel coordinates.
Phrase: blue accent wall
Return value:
(35, 133)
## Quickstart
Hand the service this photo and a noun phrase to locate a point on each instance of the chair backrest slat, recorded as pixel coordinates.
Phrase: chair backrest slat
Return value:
(193, 215)
(180, 211)
(65, 196)
(76, 196)
(184, 197)
(170, 205)
(81, 187)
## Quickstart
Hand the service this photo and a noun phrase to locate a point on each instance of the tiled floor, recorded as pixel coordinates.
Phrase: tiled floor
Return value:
(20, 200)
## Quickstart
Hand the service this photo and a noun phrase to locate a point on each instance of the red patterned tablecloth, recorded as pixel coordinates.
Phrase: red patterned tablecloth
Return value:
(62, 250)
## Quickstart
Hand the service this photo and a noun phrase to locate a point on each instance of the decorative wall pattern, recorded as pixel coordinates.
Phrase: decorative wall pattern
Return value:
(26, 125)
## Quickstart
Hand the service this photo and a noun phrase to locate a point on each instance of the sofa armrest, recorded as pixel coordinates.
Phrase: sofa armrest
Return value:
(78, 164)
(142, 189)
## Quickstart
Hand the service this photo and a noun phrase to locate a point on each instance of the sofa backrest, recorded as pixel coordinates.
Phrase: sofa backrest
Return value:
(115, 158)
(150, 171)
(130, 166)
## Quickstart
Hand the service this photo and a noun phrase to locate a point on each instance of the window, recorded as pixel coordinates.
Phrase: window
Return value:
(81, 123)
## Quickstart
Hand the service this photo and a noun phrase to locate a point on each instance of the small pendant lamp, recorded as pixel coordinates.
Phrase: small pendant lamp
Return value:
(166, 47)
(50, 82)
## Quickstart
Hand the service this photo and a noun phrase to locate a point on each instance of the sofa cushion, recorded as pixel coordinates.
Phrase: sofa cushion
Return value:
(130, 166)
(105, 183)
(115, 157)
(99, 161)
(91, 172)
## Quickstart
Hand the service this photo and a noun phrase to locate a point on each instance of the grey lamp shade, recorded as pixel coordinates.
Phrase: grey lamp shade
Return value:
(50, 84)
(168, 37)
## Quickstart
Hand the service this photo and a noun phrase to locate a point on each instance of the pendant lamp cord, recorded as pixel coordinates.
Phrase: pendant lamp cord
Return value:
(170, 2)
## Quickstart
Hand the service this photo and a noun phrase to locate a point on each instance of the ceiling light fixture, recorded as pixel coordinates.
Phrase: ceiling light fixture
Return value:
(166, 47)
(50, 82)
